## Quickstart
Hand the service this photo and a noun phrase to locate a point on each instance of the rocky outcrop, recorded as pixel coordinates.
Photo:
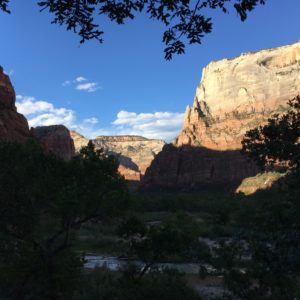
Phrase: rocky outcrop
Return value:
(135, 153)
(261, 181)
(234, 96)
(55, 139)
(79, 140)
(13, 126)
(238, 94)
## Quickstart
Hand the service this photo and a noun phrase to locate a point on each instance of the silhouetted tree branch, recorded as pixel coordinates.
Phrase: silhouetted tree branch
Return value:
(186, 21)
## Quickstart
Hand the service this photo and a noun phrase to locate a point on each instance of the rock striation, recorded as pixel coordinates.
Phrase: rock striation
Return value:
(234, 96)
(13, 126)
(55, 139)
(238, 94)
(135, 153)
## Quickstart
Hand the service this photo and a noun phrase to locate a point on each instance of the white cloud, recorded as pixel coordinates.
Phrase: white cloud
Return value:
(158, 125)
(43, 113)
(80, 79)
(89, 87)
(81, 83)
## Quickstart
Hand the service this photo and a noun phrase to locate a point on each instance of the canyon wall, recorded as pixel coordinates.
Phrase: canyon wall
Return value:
(14, 126)
(234, 96)
(55, 139)
(135, 153)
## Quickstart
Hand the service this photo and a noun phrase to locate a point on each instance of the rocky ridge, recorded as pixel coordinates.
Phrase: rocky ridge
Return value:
(238, 94)
(135, 153)
(55, 139)
(234, 96)
(14, 126)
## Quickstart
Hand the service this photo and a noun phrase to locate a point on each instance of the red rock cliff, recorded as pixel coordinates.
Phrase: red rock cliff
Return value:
(234, 96)
(55, 139)
(13, 126)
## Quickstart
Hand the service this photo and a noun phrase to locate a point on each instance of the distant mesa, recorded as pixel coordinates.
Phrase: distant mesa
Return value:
(234, 95)
(135, 153)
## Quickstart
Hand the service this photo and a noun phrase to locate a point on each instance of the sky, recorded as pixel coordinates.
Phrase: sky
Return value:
(123, 86)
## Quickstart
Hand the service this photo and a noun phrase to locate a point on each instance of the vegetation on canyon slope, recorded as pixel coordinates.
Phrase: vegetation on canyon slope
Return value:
(45, 203)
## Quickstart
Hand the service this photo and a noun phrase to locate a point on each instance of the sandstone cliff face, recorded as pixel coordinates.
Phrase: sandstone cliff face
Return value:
(238, 94)
(234, 96)
(55, 139)
(79, 140)
(135, 153)
(13, 126)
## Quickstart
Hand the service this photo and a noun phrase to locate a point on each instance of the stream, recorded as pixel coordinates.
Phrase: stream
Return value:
(114, 264)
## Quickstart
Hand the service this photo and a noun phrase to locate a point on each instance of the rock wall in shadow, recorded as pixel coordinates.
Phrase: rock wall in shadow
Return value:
(188, 168)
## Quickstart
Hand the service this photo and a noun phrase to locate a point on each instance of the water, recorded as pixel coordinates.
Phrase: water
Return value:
(114, 264)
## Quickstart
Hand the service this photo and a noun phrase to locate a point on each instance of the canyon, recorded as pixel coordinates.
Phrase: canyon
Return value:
(234, 95)
(134, 153)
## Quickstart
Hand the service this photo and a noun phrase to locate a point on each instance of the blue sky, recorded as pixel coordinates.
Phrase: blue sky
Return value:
(123, 86)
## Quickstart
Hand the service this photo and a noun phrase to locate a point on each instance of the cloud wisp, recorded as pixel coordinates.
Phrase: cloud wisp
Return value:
(88, 86)
(81, 83)
(157, 125)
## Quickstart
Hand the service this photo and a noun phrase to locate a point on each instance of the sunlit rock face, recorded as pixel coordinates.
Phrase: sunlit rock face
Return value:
(135, 153)
(238, 94)
(79, 140)
(234, 95)
(13, 126)
(55, 139)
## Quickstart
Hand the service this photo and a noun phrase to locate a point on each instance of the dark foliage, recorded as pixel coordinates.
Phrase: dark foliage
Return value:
(186, 21)
(43, 202)
(101, 284)
(277, 141)
(262, 260)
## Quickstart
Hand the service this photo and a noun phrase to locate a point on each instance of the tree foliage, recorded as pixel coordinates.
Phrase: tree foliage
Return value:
(152, 244)
(43, 202)
(186, 21)
(278, 141)
(261, 261)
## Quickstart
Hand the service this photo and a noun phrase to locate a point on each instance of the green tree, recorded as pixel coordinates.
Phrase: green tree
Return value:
(186, 21)
(277, 142)
(152, 244)
(43, 202)
(262, 260)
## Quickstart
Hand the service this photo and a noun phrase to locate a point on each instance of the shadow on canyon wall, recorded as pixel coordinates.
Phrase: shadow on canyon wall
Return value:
(191, 168)
(125, 161)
